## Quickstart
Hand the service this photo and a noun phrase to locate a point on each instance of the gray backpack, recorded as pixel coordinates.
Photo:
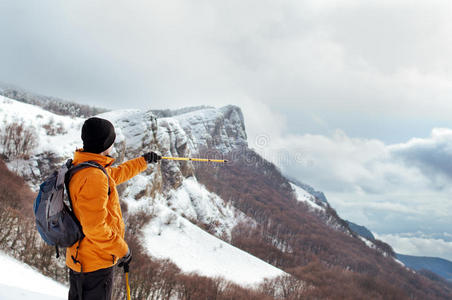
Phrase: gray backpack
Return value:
(55, 219)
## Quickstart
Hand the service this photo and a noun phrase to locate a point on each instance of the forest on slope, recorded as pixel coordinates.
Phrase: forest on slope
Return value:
(317, 248)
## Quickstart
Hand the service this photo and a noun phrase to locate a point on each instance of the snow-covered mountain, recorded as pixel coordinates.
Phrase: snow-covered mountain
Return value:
(168, 191)
(438, 266)
(53, 104)
(237, 221)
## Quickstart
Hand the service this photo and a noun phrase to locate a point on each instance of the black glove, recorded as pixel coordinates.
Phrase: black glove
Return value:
(152, 157)
(125, 260)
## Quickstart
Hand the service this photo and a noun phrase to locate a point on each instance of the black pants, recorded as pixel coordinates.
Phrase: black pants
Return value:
(97, 285)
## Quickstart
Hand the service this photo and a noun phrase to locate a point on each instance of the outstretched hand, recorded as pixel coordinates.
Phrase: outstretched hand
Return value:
(152, 157)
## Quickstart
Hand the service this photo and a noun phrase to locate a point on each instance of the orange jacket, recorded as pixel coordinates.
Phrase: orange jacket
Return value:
(99, 213)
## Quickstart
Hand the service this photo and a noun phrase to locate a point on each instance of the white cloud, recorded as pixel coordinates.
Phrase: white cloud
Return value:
(365, 164)
(263, 125)
(433, 156)
(418, 246)
(388, 188)
(353, 164)
(342, 56)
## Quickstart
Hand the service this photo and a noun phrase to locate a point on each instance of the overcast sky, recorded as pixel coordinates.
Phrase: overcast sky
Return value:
(352, 97)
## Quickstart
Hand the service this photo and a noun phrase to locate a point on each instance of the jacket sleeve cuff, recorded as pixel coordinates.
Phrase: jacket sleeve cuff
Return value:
(123, 250)
(144, 163)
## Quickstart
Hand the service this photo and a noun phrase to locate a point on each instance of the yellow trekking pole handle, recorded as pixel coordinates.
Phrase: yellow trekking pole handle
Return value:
(127, 286)
(196, 159)
(126, 271)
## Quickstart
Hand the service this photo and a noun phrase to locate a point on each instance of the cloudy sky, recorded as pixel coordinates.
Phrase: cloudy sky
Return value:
(352, 97)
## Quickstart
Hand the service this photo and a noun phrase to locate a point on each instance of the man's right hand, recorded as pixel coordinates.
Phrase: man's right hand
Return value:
(125, 260)
(152, 157)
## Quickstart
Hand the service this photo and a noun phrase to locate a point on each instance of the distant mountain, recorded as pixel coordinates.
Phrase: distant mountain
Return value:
(439, 266)
(361, 230)
(52, 104)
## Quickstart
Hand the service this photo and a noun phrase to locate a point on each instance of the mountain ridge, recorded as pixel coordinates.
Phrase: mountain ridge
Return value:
(440, 266)
(53, 104)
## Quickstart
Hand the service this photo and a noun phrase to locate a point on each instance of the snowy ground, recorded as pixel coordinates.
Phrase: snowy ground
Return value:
(19, 281)
(194, 250)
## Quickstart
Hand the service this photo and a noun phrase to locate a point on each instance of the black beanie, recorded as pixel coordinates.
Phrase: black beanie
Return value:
(97, 135)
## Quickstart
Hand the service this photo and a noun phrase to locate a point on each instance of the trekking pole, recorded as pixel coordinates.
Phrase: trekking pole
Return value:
(126, 271)
(196, 159)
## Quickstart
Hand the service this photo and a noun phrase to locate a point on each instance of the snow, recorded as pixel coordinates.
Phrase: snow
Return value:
(195, 202)
(19, 281)
(195, 250)
(171, 233)
(31, 115)
(367, 242)
(304, 196)
(172, 137)
(399, 262)
(198, 127)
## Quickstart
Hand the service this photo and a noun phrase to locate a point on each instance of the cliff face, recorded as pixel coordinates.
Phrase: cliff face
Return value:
(220, 129)
(183, 133)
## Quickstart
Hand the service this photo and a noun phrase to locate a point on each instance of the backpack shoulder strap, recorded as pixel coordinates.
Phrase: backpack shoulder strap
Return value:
(74, 169)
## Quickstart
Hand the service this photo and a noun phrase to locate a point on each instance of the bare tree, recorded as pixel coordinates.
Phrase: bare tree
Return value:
(18, 140)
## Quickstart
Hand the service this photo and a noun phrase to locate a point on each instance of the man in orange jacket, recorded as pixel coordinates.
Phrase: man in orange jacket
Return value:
(96, 205)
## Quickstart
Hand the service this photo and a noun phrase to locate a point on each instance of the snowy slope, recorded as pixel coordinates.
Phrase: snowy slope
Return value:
(64, 144)
(195, 250)
(171, 234)
(306, 197)
(19, 281)
(168, 190)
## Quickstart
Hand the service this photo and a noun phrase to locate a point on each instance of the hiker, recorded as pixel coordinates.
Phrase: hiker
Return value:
(96, 205)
